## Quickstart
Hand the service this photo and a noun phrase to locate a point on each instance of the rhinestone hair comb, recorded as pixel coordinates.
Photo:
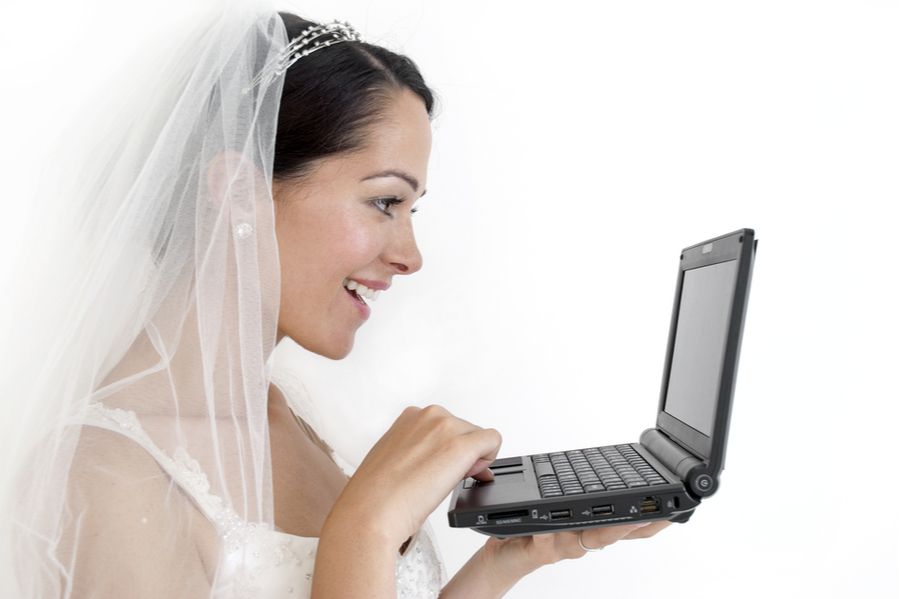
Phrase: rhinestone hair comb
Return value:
(303, 45)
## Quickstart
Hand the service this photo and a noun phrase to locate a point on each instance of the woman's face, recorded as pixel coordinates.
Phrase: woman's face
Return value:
(343, 223)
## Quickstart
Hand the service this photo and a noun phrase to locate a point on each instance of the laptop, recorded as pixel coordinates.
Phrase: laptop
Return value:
(674, 465)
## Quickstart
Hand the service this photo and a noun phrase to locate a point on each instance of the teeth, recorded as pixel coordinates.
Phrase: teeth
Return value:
(365, 292)
(361, 290)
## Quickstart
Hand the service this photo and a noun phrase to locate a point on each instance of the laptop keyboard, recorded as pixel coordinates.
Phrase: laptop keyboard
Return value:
(608, 468)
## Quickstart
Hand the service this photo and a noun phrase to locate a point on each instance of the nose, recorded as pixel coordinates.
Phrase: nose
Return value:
(402, 253)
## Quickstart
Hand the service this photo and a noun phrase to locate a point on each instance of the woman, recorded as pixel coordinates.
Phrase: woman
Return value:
(260, 186)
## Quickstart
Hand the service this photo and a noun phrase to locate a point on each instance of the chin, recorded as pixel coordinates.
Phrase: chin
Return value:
(333, 347)
(334, 351)
(337, 354)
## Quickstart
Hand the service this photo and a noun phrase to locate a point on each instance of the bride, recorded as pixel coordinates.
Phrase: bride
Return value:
(258, 184)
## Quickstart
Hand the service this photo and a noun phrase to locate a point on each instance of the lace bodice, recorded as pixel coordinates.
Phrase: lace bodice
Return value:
(257, 560)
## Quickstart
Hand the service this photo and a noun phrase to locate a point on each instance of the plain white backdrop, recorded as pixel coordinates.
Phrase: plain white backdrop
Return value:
(577, 148)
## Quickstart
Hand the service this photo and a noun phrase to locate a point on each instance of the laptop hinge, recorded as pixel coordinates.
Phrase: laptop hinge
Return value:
(693, 471)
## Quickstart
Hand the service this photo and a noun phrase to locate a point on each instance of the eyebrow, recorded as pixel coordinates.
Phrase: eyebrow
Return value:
(412, 181)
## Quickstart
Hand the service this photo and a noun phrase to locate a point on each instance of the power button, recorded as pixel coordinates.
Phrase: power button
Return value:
(704, 484)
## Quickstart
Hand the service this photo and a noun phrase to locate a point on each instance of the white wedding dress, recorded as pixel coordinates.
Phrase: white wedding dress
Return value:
(258, 561)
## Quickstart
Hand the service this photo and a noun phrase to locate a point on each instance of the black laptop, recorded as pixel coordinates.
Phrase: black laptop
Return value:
(674, 465)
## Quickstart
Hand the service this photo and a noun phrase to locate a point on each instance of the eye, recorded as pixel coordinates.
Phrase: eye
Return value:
(384, 204)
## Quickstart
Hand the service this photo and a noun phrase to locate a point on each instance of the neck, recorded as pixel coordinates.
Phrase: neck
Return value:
(179, 385)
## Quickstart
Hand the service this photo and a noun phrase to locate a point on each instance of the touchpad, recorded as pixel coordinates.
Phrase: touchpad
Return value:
(515, 476)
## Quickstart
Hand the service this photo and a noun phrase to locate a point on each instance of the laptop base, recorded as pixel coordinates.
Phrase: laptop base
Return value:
(502, 532)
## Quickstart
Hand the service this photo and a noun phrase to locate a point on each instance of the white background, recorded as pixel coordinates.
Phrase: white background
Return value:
(578, 147)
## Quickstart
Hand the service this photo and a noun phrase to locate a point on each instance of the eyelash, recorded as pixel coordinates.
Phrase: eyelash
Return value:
(389, 201)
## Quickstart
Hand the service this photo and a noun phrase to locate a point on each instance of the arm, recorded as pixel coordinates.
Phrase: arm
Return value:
(128, 530)
(478, 578)
(404, 477)
(354, 561)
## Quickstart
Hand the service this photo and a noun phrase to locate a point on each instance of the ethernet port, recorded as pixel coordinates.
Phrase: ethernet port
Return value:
(650, 505)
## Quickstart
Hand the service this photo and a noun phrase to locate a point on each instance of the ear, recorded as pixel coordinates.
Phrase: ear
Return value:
(229, 173)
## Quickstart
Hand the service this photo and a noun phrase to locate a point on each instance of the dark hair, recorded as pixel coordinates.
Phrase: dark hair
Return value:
(329, 101)
(331, 97)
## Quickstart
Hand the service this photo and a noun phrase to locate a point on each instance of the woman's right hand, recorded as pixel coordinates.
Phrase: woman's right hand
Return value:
(411, 469)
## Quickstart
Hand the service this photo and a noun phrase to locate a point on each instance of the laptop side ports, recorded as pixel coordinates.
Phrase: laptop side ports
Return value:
(559, 514)
(603, 510)
(650, 505)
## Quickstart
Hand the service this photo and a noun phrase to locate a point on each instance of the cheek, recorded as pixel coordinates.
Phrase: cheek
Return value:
(357, 248)
(351, 240)
(318, 251)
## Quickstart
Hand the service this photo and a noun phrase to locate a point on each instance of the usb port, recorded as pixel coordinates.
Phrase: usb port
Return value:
(603, 510)
(650, 505)
(559, 514)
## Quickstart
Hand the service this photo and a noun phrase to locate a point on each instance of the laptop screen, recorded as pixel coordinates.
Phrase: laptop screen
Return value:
(695, 376)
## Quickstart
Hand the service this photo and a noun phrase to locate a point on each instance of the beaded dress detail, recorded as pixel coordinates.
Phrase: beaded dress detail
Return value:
(258, 561)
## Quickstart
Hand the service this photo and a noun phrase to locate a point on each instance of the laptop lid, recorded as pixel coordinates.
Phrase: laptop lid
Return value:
(704, 344)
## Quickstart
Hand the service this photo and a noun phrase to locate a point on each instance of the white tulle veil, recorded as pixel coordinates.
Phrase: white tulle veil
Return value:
(149, 282)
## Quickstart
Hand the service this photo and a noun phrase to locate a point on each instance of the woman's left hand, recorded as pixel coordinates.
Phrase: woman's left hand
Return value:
(501, 563)
(526, 554)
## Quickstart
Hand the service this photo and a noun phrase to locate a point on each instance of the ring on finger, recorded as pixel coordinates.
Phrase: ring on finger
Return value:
(580, 541)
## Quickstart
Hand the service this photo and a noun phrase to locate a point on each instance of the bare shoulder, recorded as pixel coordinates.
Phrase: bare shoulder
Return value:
(126, 521)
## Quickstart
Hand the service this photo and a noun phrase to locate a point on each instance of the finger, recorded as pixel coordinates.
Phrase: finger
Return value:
(437, 416)
(483, 445)
(607, 535)
(435, 412)
(648, 530)
(480, 470)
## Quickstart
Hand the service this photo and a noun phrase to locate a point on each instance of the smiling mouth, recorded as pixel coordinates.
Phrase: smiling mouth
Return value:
(360, 291)
(355, 296)
(361, 306)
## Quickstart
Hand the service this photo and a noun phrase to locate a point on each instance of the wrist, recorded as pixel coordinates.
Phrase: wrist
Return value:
(360, 531)
(505, 562)
(507, 556)
(353, 560)
(377, 529)
(479, 577)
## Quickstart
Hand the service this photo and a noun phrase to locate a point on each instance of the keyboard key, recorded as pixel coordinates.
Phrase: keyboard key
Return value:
(543, 469)
(612, 468)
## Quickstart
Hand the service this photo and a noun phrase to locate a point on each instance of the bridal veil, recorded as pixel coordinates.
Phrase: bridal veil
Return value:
(150, 286)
